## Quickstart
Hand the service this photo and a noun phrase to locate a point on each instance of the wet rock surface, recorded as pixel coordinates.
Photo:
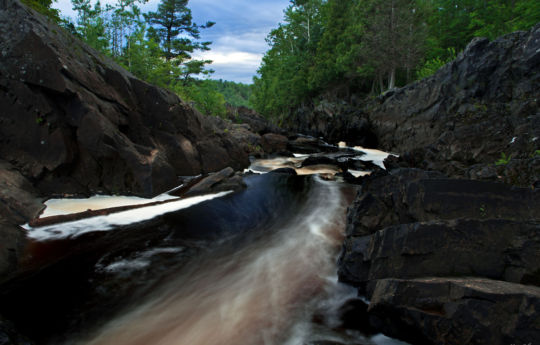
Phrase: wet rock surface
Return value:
(221, 181)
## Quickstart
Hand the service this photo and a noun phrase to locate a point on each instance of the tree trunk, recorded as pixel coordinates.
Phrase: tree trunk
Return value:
(381, 82)
(392, 79)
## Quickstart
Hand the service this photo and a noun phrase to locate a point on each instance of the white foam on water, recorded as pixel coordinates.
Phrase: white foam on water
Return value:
(358, 173)
(381, 339)
(56, 207)
(104, 223)
(140, 261)
(375, 156)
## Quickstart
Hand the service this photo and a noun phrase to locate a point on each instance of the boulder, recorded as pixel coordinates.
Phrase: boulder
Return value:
(335, 121)
(274, 143)
(457, 311)
(11, 247)
(18, 198)
(256, 122)
(224, 180)
(73, 121)
(306, 145)
(319, 160)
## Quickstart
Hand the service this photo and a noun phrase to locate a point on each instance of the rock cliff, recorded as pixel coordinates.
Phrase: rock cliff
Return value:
(445, 258)
(73, 121)
(461, 120)
(474, 109)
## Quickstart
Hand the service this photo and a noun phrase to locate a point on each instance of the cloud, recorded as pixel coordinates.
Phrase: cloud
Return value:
(231, 58)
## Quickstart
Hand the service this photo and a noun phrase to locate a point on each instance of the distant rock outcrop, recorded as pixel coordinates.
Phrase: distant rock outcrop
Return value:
(73, 121)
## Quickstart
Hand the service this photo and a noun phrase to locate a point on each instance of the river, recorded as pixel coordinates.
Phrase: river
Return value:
(252, 267)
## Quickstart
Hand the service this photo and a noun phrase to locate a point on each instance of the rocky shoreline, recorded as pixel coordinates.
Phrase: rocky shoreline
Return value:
(446, 243)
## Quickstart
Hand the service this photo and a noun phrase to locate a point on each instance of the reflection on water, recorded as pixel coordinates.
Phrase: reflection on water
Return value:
(252, 295)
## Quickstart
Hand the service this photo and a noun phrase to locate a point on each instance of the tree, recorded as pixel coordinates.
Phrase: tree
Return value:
(44, 7)
(91, 25)
(178, 35)
(394, 38)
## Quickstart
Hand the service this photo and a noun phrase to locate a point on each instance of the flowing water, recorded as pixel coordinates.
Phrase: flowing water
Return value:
(254, 267)
(248, 295)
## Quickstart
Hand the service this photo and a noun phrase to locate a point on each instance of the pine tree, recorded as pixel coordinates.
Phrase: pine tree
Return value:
(178, 35)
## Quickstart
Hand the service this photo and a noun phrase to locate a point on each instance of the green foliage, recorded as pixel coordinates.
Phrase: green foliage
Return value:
(369, 46)
(44, 7)
(155, 47)
(433, 65)
(236, 94)
(503, 160)
(177, 35)
(204, 97)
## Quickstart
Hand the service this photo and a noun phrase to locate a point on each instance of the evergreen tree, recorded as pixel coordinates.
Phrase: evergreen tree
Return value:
(178, 35)
(394, 38)
(91, 25)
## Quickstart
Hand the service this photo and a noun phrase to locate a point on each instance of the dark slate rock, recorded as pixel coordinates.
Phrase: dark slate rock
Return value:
(457, 311)
(499, 249)
(272, 143)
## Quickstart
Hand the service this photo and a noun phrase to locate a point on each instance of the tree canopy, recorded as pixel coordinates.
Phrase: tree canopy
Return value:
(370, 46)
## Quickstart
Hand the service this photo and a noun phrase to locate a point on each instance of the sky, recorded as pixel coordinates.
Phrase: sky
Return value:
(238, 36)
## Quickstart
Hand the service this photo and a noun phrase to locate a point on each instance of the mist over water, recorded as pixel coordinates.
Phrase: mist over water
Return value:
(251, 295)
